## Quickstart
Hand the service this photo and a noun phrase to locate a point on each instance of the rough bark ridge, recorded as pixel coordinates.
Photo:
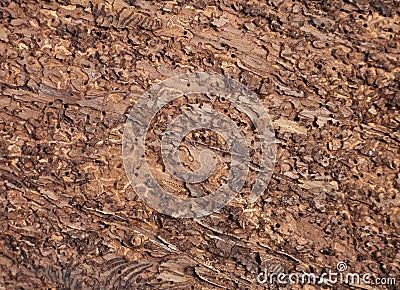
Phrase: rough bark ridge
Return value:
(70, 71)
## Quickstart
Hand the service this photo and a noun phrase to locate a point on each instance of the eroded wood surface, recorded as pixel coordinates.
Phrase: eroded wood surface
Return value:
(70, 71)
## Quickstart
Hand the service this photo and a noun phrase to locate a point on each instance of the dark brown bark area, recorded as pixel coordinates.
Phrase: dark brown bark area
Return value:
(70, 71)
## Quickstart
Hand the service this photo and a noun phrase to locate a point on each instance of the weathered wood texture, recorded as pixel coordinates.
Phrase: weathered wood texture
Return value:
(70, 71)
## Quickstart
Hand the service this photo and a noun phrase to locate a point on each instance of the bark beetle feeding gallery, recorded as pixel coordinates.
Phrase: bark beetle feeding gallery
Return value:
(71, 71)
(214, 86)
